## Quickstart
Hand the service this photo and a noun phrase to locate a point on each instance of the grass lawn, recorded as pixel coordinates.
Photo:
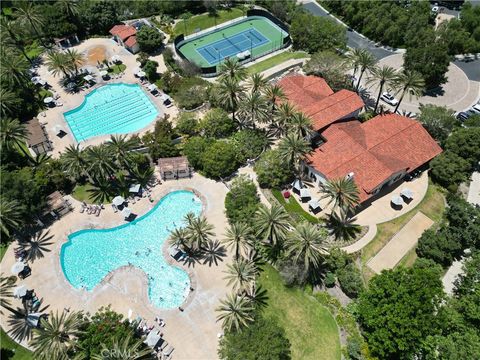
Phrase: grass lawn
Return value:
(3, 250)
(294, 208)
(80, 192)
(117, 69)
(275, 60)
(205, 21)
(11, 350)
(44, 93)
(310, 327)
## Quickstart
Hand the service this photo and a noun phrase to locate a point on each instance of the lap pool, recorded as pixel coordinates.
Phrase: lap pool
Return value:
(89, 255)
(111, 109)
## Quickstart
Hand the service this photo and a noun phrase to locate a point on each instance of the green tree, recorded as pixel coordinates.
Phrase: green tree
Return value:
(305, 244)
(342, 226)
(150, 69)
(252, 110)
(250, 143)
(364, 61)
(102, 190)
(281, 119)
(187, 124)
(257, 83)
(13, 134)
(58, 63)
(10, 216)
(381, 76)
(242, 201)
(350, 280)
(75, 59)
(274, 94)
(241, 274)
(448, 168)
(332, 67)
(194, 149)
(149, 39)
(101, 162)
(272, 171)
(464, 142)
(7, 283)
(239, 238)
(438, 120)
(232, 69)
(199, 231)
(438, 246)
(293, 149)
(179, 237)
(342, 193)
(300, 125)
(14, 70)
(271, 224)
(219, 160)
(99, 16)
(216, 124)
(29, 15)
(235, 312)
(410, 82)
(74, 162)
(9, 102)
(228, 94)
(11, 28)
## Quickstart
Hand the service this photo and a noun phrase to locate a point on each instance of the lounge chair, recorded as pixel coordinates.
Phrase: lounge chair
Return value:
(82, 209)
(114, 208)
(99, 209)
(168, 350)
(164, 345)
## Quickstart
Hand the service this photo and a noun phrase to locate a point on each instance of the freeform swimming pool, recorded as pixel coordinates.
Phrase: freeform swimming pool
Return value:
(89, 255)
(111, 109)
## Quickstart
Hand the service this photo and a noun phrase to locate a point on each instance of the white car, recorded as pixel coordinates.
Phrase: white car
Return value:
(476, 108)
(389, 99)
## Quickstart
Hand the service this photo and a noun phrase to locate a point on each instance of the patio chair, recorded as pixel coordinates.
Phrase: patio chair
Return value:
(82, 209)
(115, 210)
(168, 350)
(164, 345)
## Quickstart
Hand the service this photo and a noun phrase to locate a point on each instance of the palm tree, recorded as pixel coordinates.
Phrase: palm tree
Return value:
(353, 59)
(101, 162)
(13, 133)
(256, 82)
(58, 63)
(238, 237)
(10, 27)
(121, 149)
(7, 283)
(282, 118)
(125, 350)
(411, 82)
(252, 109)
(9, 102)
(56, 337)
(143, 177)
(233, 70)
(383, 76)
(229, 92)
(14, 69)
(39, 160)
(274, 93)
(342, 192)
(200, 232)
(363, 60)
(122, 184)
(235, 312)
(10, 215)
(22, 322)
(293, 150)
(75, 59)
(74, 162)
(102, 190)
(304, 244)
(70, 7)
(37, 245)
(241, 274)
(271, 224)
(257, 296)
(301, 125)
(29, 14)
(342, 226)
(179, 237)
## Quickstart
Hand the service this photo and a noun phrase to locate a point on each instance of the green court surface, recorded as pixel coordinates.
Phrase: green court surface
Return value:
(232, 39)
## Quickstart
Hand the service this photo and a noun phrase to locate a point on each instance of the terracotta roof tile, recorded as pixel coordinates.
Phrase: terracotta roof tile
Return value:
(131, 41)
(123, 31)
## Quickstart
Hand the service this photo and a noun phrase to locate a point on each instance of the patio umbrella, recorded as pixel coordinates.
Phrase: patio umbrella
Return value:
(88, 78)
(314, 204)
(20, 291)
(136, 70)
(48, 100)
(297, 185)
(57, 129)
(152, 87)
(115, 58)
(118, 200)
(407, 193)
(41, 82)
(18, 267)
(397, 200)
(152, 338)
(103, 73)
(304, 193)
(141, 74)
(126, 212)
(134, 188)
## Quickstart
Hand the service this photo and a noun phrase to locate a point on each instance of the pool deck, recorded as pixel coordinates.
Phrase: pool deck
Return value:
(193, 332)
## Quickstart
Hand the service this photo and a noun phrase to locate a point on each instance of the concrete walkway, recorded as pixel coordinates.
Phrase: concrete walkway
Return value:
(451, 276)
(400, 243)
(360, 244)
(474, 189)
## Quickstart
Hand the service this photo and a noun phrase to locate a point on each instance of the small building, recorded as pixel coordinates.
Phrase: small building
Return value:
(174, 168)
(57, 205)
(37, 139)
(125, 35)
(66, 41)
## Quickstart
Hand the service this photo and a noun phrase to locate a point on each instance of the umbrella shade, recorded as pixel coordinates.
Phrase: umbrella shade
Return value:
(397, 200)
(115, 58)
(141, 73)
(126, 212)
(134, 188)
(48, 100)
(57, 129)
(41, 82)
(103, 73)
(152, 87)
(118, 200)
(407, 193)
(304, 193)
(314, 204)
(297, 185)
(136, 70)
(88, 77)
(152, 338)
(20, 291)
(18, 267)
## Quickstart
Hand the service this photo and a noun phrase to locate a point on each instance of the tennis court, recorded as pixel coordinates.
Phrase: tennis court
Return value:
(254, 35)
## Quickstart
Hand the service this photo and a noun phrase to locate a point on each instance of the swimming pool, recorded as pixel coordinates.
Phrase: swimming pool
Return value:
(111, 109)
(89, 255)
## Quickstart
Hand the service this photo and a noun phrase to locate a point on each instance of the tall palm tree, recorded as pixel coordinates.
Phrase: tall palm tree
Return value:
(257, 296)
(75, 162)
(200, 232)
(252, 109)
(364, 61)
(274, 93)
(9, 102)
(238, 237)
(179, 237)
(10, 215)
(102, 190)
(39, 160)
(58, 63)
(342, 192)
(233, 70)
(14, 69)
(70, 7)
(228, 93)
(271, 224)
(143, 177)
(342, 226)
(7, 283)
(121, 148)
(122, 184)
(241, 274)
(125, 350)
(235, 312)
(37, 245)
(29, 14)
(383, 76)
(282, 118)
(12, 29)
(293, 150)
(13, 134)
(56, 336)
(75, 59)
(256, 82)
(353, 59)
(101, 162)
(304, 244)
(300, 125)
(410, 82)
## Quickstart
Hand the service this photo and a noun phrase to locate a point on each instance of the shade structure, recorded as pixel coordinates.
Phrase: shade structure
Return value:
(297, 185)
(57, 129)
(407, 193)
(152, 339)
(305, 193)
(88, 78)
(18, 267)
(141, 74)
(115, 58)
(118, 200)
(152, 87)
(314, 204)
(134, 188)
(103, 73)
(130, 312)
(20, 291)
(397, 200)
(136, 70)
(48, 100)
(126, 212)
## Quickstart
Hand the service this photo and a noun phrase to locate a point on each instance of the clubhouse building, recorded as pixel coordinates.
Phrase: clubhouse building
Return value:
(376, 153)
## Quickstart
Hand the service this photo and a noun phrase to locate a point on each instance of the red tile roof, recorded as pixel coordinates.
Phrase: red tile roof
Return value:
(374, 150)
(313, 96)
(123, 31)
(131, 41)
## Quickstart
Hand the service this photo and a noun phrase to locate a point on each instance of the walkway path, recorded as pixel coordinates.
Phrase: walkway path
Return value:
(400, 243)
(474, 189)
(360, 244)
(451, 276)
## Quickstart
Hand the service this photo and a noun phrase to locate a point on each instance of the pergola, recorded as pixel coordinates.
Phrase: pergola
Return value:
(37, 139)
(174, 168)
(57, 205)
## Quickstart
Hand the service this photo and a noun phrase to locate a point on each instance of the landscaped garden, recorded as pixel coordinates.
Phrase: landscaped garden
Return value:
(276, 60)
(197, 23)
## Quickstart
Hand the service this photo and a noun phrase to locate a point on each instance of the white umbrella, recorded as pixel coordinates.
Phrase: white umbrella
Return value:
(20, 291)
(103, 73)
(152, 338)
(88, 77)
(297, 185)
(304, 193)
(136, 70)
(18, 267)
(134, 188)
(48, 100)
(41, 82)
(313, 204)
(407, 193)
(126, 212)
(141, 74)
(115, 58)
(397, 200)
(152, 87)
(118, 200)
(57, 129)
(130, 312)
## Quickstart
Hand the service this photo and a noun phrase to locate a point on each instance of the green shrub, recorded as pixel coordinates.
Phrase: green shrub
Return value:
(187, 124)
(149, 39)
(350, 280)
(250, 144)
(219, 160)
(241, 201)
(272, 171)
(194, 150)
(329, 280)
(293, 274)
(216, 124)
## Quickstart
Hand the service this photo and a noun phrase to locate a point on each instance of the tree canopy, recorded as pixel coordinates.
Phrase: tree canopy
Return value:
(149, 39)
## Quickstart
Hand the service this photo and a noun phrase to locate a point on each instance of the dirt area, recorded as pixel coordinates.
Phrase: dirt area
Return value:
(96, 54)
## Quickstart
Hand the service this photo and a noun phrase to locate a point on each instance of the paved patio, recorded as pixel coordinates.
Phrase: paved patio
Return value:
(193, 332)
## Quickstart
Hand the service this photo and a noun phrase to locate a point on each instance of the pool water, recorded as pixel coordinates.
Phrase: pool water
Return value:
(89, 255)
(111, 109)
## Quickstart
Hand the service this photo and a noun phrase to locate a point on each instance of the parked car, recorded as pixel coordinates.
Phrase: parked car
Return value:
(389, 99)
(476, 109)
(462, 116)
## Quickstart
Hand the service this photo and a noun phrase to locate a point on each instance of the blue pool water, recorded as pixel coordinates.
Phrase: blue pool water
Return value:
(232, 45)
(111, 109)
(89, 255)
